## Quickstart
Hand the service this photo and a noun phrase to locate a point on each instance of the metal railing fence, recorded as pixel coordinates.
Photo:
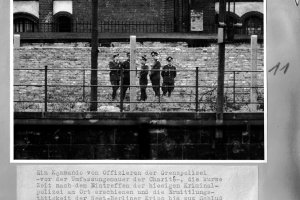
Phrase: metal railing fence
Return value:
(195, 94)
(103, 26)
(124, 27)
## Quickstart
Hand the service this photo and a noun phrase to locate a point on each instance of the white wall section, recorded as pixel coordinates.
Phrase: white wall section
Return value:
(62, 6)
(242, 8)
(31, 7)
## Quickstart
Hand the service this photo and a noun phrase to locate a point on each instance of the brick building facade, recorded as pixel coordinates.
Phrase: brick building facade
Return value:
(128, 15)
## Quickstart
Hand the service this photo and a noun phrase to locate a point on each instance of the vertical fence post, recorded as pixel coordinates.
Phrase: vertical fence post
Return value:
(218, 143)
(16, 51)
(197, 87)
(83, 86)
(121, 90)
(234, 88)
(46, 89)
(132, 87)
(253, 94)
(94, 57)
(17, 42)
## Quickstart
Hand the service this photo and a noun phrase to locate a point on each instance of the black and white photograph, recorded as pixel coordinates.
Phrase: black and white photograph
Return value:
(138, 80)
(152, 100)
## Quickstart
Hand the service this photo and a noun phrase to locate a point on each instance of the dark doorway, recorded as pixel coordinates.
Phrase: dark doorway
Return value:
(63, 24)
(182, 15)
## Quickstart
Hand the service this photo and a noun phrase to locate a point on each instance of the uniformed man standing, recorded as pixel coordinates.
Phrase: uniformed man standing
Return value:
(155, 74)
(114, 75)
(168, 74)
(126, 75)
(143, 78)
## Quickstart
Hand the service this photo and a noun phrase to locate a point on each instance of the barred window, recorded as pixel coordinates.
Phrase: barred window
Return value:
(24, 25)
(25, 22)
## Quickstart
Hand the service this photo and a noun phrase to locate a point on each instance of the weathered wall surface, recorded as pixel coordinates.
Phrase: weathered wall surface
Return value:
(121, 10)
(209, 13)
(46, 11)
(31, 7)
(95, 143)
(66, 64)
(126, 11)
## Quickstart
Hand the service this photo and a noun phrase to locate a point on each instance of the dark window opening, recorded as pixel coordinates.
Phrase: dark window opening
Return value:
(24, 25)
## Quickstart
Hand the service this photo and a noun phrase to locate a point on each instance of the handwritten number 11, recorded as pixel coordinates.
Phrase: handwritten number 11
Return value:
(276, 67)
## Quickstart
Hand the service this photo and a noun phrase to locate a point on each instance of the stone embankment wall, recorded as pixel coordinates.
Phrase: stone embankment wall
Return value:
(124, 142)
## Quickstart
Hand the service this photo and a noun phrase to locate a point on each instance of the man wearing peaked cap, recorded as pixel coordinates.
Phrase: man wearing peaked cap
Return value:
(154, 53)
(168, 74)
(114, 74)
(143, 78)
(169, 59)
(155, 74)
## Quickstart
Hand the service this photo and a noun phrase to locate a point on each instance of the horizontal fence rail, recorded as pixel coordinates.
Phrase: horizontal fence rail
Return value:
(195, 93)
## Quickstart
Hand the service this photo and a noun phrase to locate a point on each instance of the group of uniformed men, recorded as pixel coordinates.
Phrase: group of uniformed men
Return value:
(168, 73)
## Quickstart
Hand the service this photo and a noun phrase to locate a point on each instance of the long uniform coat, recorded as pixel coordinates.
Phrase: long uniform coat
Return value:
(155, 77)
(114, 76)
(143, 81)
(168, 74)
(126, 77)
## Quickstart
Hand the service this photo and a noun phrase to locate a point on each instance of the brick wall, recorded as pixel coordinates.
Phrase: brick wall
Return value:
(46, 11)
(141, 11)
(77, 58)
(46, 14)
(126, 11)
(169, 10)
(208, 8)
(151, 11)
(121, 10)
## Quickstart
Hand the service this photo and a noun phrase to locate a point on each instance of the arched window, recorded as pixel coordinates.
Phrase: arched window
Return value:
(63, 22)
(253, 23)
(24, 22)
(254, 26)
(232, 18)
